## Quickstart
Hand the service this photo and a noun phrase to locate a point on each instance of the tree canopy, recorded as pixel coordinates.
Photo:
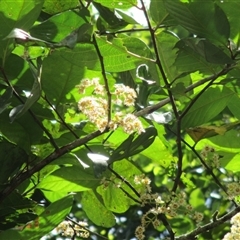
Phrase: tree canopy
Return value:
(119, 119)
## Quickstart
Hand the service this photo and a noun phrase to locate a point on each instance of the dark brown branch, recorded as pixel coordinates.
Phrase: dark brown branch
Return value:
(54, 155)
(209, 226)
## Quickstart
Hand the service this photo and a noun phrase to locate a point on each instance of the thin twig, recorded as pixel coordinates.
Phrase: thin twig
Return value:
(207, 168)
(109, 95)
(85, 228)
(29, 110)
(125, 181)
(59, 116)
(150, 109)
(171, 98)
(63, 121)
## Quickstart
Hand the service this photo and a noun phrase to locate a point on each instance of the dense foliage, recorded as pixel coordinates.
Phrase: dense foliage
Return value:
(119, 119)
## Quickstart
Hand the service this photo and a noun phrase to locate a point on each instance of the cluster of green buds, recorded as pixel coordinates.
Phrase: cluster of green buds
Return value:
(172, 205)
(209, 154)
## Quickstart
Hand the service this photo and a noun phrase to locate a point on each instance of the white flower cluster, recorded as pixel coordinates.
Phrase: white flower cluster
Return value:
(68, 229)
(125, 94)
(96, 107)
(234, 234)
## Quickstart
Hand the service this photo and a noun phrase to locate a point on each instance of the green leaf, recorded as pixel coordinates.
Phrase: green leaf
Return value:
(221, 21)
(58, 6)
(208, 106)
(33, 97)
(159, 13)
(17, 202)
(133, 146)
(23, 131)
(225, 142)
(85, 33)
(69, 75)
(17, 14)
(112, 21)
(233, 105)
(231, 10)
(56, 28)
(191, 57)
(197, 200)
(114, 198)
(5, 99)
(11, 159)
(117, 4)
(69, 179)
(152, 152)
(96, 211)
(122, 54)
(215, 55)
(54, 214)
(203, 18)
(10, 234)
(165, 43)
(233, 164)
(127, 18)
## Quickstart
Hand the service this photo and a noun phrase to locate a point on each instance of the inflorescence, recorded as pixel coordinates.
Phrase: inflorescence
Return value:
(96, 107)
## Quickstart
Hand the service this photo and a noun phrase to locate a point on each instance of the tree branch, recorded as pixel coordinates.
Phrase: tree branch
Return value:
(16, 181)
(209, 226)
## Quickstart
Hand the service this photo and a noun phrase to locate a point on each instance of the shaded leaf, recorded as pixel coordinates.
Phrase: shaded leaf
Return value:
(23, 131)
(54, 214)
(33, 97)
(204, 19)
(113, 22)
(11, 159)
(5, 99)
(167, 54)
(192, 57)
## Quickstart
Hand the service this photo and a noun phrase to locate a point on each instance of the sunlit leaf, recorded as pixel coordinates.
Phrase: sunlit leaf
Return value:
(69, 179)
(96, 211)
(133, 146)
